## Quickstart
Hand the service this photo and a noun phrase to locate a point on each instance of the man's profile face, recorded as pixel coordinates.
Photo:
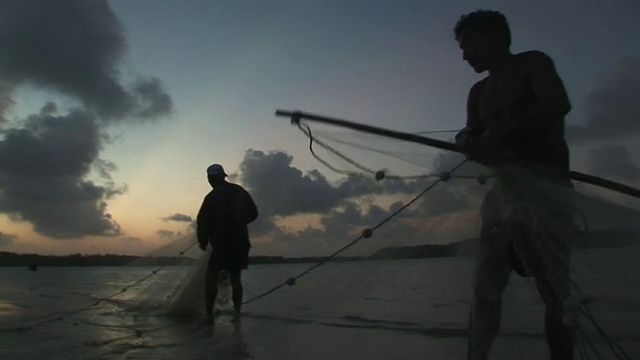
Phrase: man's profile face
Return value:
(476, 50)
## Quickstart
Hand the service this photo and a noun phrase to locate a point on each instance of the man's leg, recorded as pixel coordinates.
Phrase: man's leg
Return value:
(541, 230)
(211, 289)
(553, 286)
(494, 268)
(236, 286)
(547, 257)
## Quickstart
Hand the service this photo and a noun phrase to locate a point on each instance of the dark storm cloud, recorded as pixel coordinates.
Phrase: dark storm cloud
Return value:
(152, 101)
(346, 207)
(6, 239)
(340, 223)
(612, 108)
(50, 108)
(6, 101)
(339, 226)
(283, 190)
(286, 190)
(104, 168)
(178, 218)
(614, 161)
(280, 189)
(51, 146)
(43, 169)
(75, 47)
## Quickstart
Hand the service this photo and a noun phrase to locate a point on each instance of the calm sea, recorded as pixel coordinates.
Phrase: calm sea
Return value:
(376, 309)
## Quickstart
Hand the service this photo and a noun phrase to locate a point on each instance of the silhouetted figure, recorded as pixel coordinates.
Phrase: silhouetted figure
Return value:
(515, 124)
(222, 222)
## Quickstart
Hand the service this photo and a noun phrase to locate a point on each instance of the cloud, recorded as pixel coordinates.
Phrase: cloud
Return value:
(152, 101)
(178, 218)
(285, 190)
(335, 229)
(50, 146)
(104, 168)
(168, 234)
(74, 47)
(50, 108)
(43, 170)
(612, 109)
(282, 189)
(279, 189)
(7, 239)
(342, 209)
(131, 240)
(614, 161)
(6, 101)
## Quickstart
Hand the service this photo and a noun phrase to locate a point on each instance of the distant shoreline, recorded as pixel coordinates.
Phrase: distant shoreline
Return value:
(8, 259)
(591, 239)
(35, 261)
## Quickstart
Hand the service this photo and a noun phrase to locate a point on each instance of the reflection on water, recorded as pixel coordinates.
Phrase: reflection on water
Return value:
(361, 309)
(8, 309)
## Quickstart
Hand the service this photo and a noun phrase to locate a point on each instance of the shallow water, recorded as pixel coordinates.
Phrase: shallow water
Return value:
(409, 309)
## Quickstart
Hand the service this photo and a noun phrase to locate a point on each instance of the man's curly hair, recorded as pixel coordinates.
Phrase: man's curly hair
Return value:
(484, 22)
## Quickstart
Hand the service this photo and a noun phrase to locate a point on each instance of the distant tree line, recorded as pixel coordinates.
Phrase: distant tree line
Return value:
(13, 259)
(590, 239)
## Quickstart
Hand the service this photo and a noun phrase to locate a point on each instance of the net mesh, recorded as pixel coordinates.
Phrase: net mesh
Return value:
(590, 230)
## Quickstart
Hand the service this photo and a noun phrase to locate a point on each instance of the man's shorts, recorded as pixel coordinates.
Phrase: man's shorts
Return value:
(233, 260)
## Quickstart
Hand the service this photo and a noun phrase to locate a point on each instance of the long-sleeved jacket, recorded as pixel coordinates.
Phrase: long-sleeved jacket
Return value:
(224, 215)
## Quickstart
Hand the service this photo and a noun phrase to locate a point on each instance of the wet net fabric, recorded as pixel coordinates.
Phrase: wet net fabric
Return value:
(509, 234)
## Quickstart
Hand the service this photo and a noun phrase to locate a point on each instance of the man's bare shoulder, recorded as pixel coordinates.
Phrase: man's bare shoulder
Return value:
(478, 86)
(533, 59)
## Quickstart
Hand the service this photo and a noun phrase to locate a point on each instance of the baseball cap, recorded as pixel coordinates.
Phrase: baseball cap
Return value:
(216, 170)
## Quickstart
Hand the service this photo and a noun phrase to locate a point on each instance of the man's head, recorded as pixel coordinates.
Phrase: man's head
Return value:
(484, 36)
(215, 173)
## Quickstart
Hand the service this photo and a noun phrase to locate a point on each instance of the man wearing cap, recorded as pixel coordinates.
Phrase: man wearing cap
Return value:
(222, 222)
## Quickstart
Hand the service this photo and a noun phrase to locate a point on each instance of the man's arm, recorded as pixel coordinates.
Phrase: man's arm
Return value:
(552, 102)
(474, 127)
(251, 208)
(203, 224)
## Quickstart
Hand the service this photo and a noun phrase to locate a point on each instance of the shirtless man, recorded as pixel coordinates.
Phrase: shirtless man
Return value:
(515, 125)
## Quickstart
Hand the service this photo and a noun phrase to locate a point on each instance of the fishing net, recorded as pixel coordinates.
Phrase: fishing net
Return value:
(420, 241)
(470, 235)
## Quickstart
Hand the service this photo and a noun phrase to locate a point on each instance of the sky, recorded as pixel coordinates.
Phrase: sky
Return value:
(110, 111)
